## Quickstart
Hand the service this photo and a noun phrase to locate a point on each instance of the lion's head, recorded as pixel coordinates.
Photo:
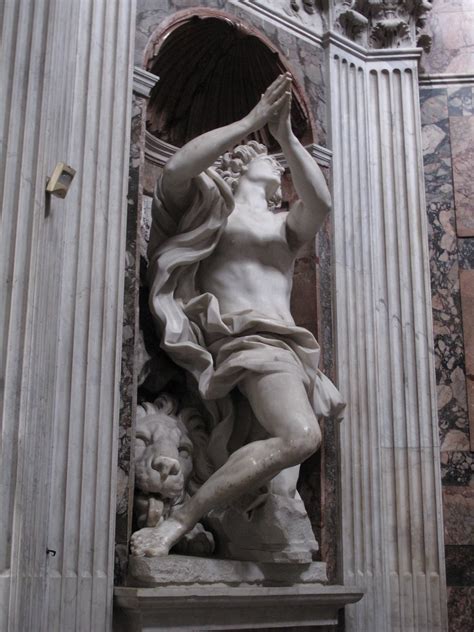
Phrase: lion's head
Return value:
(169, 457)
(163, 450)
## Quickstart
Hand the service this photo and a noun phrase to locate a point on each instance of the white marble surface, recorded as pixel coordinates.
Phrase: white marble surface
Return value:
(392, 523)
(202, 608)
(66, 95)
(282, 12)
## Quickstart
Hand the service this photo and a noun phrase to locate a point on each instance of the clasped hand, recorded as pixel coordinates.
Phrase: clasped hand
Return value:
(274, 107)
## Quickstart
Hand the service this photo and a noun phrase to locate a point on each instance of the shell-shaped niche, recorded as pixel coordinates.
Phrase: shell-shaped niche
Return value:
(212, 71)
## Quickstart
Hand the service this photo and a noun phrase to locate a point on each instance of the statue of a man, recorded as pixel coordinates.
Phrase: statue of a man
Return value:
(221, 266)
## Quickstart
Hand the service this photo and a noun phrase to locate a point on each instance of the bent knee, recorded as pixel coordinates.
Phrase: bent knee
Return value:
(302, 445)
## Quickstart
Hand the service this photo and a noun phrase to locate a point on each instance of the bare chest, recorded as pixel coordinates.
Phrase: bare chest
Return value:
(256, 237)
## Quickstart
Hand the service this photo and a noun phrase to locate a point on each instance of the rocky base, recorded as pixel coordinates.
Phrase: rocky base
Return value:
(182, 570)
(278, 531)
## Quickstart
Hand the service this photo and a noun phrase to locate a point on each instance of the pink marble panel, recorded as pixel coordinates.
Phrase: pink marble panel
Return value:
(451, 24)
(458, 509)
(462, 147)
(467, 301)
(460, 608)
(303, 297)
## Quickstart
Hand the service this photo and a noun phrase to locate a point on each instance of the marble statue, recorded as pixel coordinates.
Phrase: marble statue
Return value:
(221, 259)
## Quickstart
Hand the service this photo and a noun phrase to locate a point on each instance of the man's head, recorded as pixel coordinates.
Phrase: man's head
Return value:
(252, 161)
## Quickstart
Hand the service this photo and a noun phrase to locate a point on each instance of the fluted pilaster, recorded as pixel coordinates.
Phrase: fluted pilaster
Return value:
(391, 500)
(67, 90)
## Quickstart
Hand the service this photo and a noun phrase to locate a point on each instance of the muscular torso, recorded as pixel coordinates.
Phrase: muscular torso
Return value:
(252, 265)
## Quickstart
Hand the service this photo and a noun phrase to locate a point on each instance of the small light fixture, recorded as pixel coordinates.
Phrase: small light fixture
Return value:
(60, 181)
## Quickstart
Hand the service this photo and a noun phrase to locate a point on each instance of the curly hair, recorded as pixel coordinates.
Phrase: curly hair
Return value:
(233, 164)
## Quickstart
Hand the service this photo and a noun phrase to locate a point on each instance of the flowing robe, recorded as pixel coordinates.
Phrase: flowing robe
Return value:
(217, 349)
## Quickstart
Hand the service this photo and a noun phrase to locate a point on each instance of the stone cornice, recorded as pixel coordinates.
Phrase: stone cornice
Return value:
(388, 54)
(373, 25)
(322, 155)
(285, 22)
(158, 152)
(143, 81)
(446, 80)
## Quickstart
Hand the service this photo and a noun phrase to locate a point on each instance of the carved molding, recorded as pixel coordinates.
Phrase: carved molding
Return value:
(373, 24)
(143, 81)
(310, 6)
(322, 155)
(158, 152)
(446, 80)
(295, 26)
(383, 23)
(352, 23)
(389, 55)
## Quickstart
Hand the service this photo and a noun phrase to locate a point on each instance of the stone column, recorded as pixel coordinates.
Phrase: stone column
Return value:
(66, 95)
(392, 528)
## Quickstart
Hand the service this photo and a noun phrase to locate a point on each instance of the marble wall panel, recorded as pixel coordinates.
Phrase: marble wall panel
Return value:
(451, 23)
(460, 100)
(128, 382)
(448, 125)
(458, 501)
(461, 127)
(467, 301)
(462, 142)
(466, 254)
(444, 264)
(460, 608)
(457, 467)
(460, 565)
(303, 299)
(330, 501)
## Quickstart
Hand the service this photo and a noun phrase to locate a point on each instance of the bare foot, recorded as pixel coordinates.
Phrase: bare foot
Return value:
(156, 541)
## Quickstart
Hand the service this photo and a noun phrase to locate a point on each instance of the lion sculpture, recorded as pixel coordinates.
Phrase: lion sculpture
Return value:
(170, 464)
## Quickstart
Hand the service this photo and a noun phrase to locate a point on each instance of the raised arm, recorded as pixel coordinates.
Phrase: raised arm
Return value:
(307, 215)
(201, 152)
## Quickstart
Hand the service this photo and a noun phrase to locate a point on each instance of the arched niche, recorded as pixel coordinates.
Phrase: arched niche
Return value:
(153, 142)
(212, 70)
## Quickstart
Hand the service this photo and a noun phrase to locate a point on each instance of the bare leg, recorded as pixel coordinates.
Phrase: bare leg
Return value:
(281, 405)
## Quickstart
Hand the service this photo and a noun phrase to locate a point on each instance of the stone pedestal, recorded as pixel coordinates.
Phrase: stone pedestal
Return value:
(199, 608)
(179, 592)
